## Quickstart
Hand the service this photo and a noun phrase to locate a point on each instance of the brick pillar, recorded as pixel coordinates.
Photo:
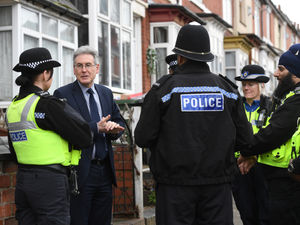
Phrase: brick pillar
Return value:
(123, 195)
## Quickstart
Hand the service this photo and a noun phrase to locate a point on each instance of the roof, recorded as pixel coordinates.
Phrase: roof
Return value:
(215, 16)
(181, 8)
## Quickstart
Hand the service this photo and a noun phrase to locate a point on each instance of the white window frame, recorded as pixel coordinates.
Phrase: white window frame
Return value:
(268, 22)
(227, 11)
(123, 28)
(9, 29)
(40, 36)
(173, 29)
(257, 18)
(235, 67)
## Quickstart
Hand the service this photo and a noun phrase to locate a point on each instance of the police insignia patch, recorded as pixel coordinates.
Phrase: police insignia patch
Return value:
(245, 74)
(202, 102)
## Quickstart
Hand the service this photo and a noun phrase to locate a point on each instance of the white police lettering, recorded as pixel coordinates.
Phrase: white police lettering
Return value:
(202, 102)
(18, 136)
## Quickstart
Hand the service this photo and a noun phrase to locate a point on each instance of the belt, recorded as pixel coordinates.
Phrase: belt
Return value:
(53, 167)
(100, 162)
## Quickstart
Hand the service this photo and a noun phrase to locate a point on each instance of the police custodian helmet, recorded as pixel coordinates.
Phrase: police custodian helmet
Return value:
(193, 43)
(253, 73)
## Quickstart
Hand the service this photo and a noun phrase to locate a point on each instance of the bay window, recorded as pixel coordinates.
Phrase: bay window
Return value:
(58, 36)
(6, 78)
(114, 30)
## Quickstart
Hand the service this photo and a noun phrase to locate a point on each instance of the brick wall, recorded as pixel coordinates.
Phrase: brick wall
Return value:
(123, 195)
(7, 192)
(124, 202)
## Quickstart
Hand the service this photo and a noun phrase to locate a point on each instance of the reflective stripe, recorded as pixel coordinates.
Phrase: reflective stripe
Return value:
(297, 90)
(21, 126)
(198, 89)
(27, 107)
(24, 124)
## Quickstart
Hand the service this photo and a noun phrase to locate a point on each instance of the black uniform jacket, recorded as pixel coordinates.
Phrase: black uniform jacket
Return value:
(58, 117)
(282, 125)
(192, 147)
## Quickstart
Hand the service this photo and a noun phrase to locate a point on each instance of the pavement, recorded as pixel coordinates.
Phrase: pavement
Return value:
(149, 218)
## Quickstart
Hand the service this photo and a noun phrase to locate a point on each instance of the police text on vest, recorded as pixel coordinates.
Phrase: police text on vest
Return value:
(202, 102)
(18, 136)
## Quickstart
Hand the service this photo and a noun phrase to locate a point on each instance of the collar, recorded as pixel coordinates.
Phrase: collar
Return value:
(27, 90)
(253, 107)
(84, 88)
(191, 66)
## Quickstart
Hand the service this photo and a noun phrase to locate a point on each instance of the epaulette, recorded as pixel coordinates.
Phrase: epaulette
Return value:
(161, 81)
(297, 90)
(228, 81)
(43, 94)
(46, 94)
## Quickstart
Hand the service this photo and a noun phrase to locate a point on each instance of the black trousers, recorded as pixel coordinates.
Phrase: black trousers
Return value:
(42, 197)
(284, 201)
(194, 205)
(251, 197)
(93, 206)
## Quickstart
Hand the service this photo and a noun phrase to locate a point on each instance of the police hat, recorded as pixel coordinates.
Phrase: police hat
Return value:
(253, 73)
(35, 60)
(171, 60)
(193, 43)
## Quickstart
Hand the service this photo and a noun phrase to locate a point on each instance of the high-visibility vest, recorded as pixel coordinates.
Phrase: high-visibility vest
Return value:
(281, 156)
(253, 118)
(33, 145)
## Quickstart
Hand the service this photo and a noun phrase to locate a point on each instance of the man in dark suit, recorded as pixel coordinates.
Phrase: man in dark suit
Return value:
(96, 172)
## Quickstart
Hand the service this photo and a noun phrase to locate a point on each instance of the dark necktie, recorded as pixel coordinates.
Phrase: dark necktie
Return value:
(99, 144)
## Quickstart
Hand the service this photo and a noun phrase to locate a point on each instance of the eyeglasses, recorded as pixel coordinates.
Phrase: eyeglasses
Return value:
(87, 66)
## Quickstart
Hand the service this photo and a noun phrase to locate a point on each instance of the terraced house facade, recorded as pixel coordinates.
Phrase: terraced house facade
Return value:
(132, 38)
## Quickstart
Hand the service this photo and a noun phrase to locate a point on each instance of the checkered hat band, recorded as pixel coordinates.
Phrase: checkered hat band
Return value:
(33, 65)
(173, 63)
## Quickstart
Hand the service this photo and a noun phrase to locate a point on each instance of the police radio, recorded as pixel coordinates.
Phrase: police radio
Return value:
(261, 118)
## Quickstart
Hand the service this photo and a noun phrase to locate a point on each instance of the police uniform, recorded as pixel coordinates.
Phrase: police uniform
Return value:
(192, 122)
(274, 143)
(43, 130)
(250, 190)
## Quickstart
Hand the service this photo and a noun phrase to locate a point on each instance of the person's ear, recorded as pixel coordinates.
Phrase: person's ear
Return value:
(181, 59)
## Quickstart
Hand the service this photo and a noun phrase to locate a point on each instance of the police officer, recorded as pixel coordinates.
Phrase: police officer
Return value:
(277, 143)
(191, 122)
(250, 190)
(171, 60)
(43, 130)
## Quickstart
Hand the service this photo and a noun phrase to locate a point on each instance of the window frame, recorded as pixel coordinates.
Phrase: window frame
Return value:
(42, 36)
(173, 29)
(123, 28)
(235, 67)
(9, 29)
(227, 11)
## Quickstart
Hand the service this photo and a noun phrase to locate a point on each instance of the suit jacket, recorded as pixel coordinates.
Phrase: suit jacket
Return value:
(74, 96)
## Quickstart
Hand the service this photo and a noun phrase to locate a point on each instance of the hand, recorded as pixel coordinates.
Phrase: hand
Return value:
(246, 163)
(110, 127)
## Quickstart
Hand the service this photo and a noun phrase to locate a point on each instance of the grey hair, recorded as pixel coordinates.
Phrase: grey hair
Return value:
(85, 49)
